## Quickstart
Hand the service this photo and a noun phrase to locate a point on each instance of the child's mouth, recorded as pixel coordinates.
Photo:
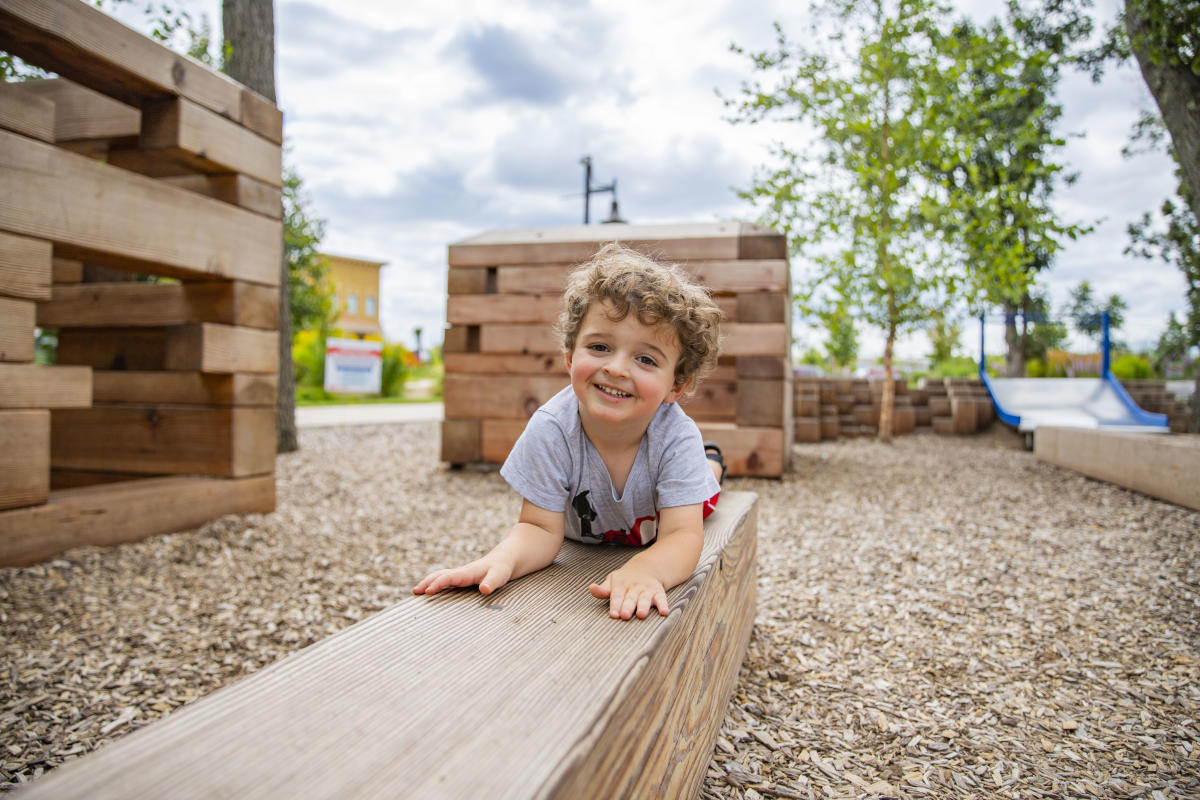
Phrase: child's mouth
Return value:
(616, 394)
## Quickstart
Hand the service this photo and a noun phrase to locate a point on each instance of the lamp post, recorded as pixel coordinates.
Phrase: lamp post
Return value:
(588, 190)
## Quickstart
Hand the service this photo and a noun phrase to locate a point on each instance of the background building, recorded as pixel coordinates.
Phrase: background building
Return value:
(355, 294)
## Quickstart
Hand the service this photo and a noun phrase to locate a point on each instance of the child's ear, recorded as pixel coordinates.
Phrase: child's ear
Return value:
(677, 392)
(567, 359)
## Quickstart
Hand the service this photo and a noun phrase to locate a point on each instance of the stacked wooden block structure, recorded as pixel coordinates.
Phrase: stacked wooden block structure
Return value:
(503, 361)
(135, 166)
(832, 408)
(1152, 395)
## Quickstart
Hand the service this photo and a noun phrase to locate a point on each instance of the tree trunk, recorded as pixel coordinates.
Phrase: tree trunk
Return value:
(1014, 355)
(1194, 419)
(1176, 90)
(249, 28)
(887, 402)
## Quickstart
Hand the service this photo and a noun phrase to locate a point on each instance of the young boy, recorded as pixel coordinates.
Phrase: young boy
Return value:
(612, 457)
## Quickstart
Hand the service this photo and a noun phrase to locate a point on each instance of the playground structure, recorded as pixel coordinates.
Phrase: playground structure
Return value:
(503, 361)
(135, 164)
(531, 692)
(1029, 403)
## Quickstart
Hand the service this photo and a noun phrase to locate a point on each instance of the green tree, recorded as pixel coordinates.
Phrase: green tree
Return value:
(1178, 243)
(1087, 314)
(852, 201)
(945, 337)
(999, 208)
(841, 342)
(1172, 347)
(310, 301)
(1039, 332)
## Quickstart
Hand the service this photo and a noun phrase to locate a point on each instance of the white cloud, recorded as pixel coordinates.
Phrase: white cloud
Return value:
(420, 123)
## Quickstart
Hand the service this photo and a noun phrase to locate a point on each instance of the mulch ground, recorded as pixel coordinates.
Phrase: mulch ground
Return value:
(944, 617)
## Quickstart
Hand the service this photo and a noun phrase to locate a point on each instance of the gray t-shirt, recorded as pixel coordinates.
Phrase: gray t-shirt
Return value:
(555, 466)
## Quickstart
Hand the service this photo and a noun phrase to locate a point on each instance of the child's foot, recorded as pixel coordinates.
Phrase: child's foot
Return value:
(712, 451)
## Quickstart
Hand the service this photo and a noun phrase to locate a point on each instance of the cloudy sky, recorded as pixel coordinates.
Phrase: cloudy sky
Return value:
(414, 125)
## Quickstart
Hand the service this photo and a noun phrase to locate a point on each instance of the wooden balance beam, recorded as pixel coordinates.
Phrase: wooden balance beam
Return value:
(530, 692)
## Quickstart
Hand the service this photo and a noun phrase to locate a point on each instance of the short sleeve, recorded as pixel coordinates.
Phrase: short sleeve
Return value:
(684, 477)
(539, 467)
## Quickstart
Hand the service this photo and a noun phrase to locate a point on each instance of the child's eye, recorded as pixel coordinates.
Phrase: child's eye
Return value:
(648, 361)
(598, 348)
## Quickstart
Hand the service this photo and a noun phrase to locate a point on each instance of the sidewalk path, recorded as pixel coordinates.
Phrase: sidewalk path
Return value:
(367, 414)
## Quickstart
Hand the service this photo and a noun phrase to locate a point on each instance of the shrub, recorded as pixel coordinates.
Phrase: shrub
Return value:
(397, 361)
(1131, 367)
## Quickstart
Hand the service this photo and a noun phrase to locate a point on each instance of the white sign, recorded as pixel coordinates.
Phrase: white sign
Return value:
(353, 366)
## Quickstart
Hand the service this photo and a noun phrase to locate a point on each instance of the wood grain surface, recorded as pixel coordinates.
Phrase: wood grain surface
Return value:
(530, 692)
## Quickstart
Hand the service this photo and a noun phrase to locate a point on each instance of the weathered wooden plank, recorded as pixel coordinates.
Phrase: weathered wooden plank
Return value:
(96, 212)
(201, 347)
(66, 270)
(572, 244)
(116, 513)
(498, 437)
(713, 401)
(762, 403)
(40, 386)
(469, 280)
(757, 241)
(208, 142)
(752, 339)
(754, 452)
(517, 338)
(87, 46)
(25, 270)
(97, 305)
(82, 115)
(718, 276)
(24, 458)
(763, 307)
(165, 440)
(514, 702)
(208, 347)
(25, 113)
(17, 324)
(184, 388)
(737, 338)
(461, 339)
(504, 364)
(461, 441)
(478, 309)
(497, 396)
(237, 190)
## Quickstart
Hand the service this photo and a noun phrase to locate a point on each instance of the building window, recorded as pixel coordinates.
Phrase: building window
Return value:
(370, 306)
(351, 304)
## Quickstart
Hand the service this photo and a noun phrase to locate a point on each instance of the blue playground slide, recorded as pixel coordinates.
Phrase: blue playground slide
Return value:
(1026, 403)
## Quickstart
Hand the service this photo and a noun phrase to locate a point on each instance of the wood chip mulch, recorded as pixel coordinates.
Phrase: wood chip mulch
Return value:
(944, 617)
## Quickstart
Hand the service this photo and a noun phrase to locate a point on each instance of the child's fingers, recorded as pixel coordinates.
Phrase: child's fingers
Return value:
(660, 601)
(644, 601)
(601, 591)
(494, 579)
(628, 605)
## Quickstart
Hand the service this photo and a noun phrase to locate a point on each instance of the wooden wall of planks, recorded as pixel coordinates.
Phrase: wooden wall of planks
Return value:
(137, 164)
(832, 408)
(503, 361)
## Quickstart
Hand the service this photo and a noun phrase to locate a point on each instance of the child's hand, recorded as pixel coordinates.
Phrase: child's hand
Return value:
(631, 591)
(488, 572)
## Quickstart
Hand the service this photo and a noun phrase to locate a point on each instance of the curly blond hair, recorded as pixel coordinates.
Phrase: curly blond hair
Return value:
(659, 293)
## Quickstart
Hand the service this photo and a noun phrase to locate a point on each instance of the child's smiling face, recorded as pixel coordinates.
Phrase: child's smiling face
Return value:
(622, 370)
